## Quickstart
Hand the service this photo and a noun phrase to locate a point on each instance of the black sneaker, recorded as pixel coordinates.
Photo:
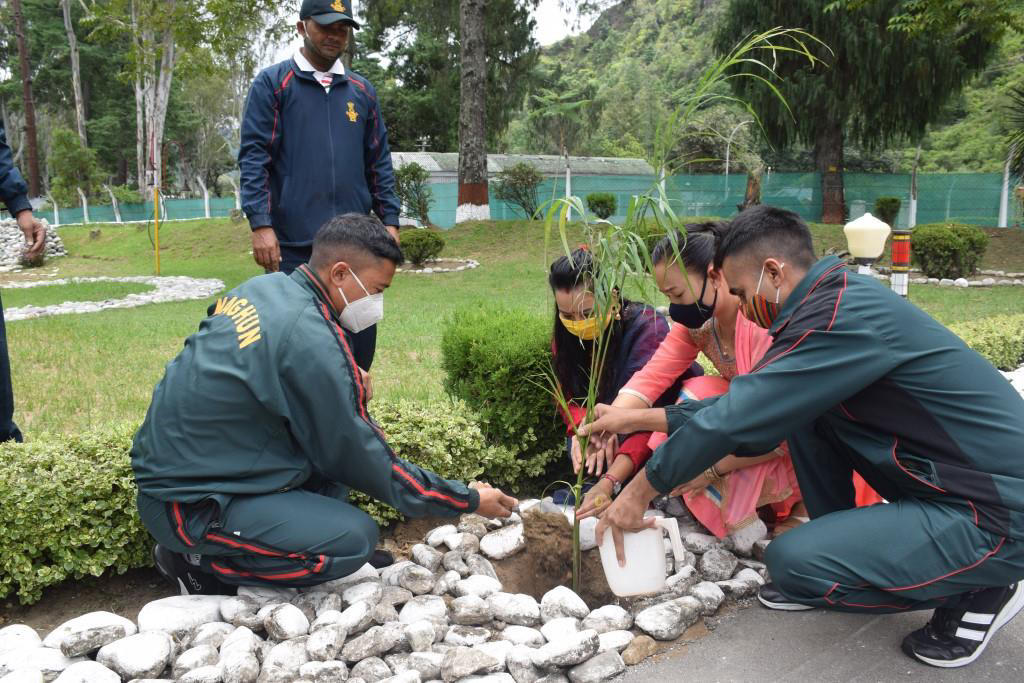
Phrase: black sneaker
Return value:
(769, 596)
(188, 579)
(381, 559)
(955, 638)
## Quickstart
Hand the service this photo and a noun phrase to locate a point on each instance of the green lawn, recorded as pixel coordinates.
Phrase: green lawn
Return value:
(72, 372)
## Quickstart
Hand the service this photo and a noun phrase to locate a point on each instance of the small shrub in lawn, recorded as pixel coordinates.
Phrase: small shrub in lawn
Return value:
(1000, 339)
(517, 185)
(948, 250)
(601, 204)
(494, 360)
(68, 510)
(421, 245)
(413, 190)
(441, 436)
(887, 209)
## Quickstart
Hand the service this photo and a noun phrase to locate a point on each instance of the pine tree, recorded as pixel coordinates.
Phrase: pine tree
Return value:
(879, 85)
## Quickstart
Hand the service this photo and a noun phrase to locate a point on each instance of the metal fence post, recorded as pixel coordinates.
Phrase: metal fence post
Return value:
(238, 194)
(1004, 197)
(113, 203)
(85, 205)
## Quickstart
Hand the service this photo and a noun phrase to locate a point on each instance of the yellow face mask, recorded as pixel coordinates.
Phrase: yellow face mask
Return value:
(586, 329)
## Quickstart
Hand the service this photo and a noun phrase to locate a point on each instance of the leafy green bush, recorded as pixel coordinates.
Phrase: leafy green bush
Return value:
(887, 209)
(68, 510)
(1000, 339)
(495, 361)
(421, 245)
(125, 194)
(442, 436)
(601, 204)
(948, 250)
(414, 192)
(74, 166)
(517, 185)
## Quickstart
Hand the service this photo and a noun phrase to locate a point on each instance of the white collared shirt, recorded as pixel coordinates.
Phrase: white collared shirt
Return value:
(324, 78)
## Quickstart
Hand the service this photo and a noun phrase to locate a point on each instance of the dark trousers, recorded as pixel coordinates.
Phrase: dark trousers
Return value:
(8, 430)
(363, 344)
(909, 554)
(302, 537)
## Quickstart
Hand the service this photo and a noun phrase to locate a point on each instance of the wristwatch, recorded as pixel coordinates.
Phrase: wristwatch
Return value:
(616, 484)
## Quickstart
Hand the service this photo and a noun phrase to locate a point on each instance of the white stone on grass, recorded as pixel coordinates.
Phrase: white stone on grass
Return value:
(569, 651)
(562, 602)
(709, 595)
(143, 655)
(668, 620)
(369, 592)
(601, 668)
(478, 585)
(286, 622)
(180, 614)
(88, 672)
(435, 537)
(427, 556)
(608, 618)
(504, 542)
(429, 607)
(614, 640)
(515, 608)
(557, 629)
(19, 637)
(523, 635)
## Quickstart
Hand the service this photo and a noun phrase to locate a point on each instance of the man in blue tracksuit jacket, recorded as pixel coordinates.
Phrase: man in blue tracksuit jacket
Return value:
(313, 146)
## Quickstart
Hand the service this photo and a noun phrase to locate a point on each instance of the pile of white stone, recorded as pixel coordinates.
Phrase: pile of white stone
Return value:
(1016, 379)
(12, 245)
(441, 616)
(441, 265)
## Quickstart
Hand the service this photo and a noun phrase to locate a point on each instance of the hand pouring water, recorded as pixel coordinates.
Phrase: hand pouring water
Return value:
(644, 572)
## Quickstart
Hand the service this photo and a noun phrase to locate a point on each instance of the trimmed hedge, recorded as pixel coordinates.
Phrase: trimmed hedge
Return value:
(888, 209)
(948, 250)
(1000, 339)
(495, 360)
(68, 510)
(601, 204)
(444, 437)
(421, 245)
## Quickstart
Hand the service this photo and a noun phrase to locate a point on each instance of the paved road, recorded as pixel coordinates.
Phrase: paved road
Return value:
(761, 646)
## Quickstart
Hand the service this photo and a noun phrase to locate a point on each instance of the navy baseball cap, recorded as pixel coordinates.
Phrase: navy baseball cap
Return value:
(325, 12)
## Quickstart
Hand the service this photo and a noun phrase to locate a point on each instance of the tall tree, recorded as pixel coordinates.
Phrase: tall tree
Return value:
(76, 72)
(31, 141)
(473, 200)
(879, 86)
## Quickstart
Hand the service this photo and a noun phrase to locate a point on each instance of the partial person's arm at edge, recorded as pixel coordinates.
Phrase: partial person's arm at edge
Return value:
(763, 407)
(260, 132)
(13, 188)
(380, 175)
(327, 418)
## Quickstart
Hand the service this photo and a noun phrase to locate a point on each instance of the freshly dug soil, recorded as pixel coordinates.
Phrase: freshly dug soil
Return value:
(546, 562)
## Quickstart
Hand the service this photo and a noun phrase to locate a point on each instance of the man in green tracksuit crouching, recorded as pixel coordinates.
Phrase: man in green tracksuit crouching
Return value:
(858, 378)
(260, 427)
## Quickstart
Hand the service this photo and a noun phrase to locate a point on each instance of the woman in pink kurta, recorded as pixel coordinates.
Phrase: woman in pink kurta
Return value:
(707, 319)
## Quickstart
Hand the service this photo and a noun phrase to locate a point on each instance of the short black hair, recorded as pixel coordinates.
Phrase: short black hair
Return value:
(350, 236)
(765, 232)
(696, 247)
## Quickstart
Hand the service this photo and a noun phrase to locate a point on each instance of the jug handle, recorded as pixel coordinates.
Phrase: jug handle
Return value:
(670, 525)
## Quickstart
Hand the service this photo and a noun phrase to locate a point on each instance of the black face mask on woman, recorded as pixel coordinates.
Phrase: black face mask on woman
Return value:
(693, 316)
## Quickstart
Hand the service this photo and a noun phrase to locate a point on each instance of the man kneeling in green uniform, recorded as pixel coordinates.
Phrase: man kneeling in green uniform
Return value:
(260, 427)
(858, 378)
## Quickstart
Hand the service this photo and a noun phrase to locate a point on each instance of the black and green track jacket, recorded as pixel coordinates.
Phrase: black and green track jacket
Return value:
(266, 394)
(901, 390)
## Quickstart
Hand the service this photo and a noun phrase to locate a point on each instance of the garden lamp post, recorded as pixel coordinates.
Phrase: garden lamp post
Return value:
(866, 239)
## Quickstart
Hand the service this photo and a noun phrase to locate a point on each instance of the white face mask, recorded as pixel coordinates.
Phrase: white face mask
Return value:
(362, 313)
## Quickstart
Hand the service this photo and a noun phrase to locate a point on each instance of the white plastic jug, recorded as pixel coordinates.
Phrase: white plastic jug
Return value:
(644, 571)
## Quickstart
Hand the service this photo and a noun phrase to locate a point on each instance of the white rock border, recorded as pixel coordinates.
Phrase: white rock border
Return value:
(467, 264)
(1005, 279)
(166, 289)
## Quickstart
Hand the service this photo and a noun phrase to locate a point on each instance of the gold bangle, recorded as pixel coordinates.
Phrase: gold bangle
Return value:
(714, 468)
(711, 475)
